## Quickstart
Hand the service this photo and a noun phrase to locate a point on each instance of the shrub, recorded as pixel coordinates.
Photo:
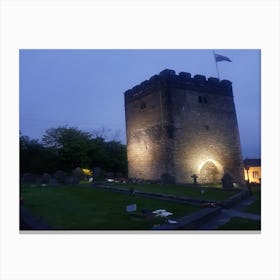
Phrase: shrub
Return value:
(87, 172)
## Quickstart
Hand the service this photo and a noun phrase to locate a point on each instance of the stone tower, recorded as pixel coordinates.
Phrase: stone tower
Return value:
(178, 125)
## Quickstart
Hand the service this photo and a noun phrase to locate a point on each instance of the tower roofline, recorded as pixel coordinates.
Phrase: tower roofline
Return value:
(182, 80)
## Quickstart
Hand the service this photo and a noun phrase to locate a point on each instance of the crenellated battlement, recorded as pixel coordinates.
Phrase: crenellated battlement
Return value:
(183, 80)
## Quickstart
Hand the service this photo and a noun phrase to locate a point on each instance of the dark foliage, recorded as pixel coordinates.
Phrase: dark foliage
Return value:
(36, 158)
(66, 148)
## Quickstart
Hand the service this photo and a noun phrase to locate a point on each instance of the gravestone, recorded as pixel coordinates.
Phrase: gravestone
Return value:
(53, 182)
(131, 208)
(194, 176)
(96, 171)
(45, 178)
(71, 180)
(227, 181)
(78, 174)
(28, 178)
(60, 176)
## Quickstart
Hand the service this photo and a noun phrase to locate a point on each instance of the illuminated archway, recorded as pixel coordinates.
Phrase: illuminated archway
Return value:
(210, 172)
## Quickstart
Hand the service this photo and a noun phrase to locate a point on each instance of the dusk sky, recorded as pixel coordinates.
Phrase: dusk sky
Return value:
(84, 88)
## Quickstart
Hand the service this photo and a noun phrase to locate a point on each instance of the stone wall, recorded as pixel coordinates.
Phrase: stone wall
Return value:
(144, 137)
(207, 138)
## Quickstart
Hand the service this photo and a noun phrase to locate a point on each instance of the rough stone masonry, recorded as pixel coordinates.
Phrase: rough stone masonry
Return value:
(178, 126)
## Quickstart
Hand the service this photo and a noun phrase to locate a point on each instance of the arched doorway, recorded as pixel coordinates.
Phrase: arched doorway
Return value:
(209, 173)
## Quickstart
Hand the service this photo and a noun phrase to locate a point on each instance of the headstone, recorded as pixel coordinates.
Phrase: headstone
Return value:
(96, 171)
(45, 178)
(227, 181)
(68, 180)
(28, 178)
(53, 182)
(71, 180)
(60, 176)
(131, 208)
(78, 174)
(194, 176)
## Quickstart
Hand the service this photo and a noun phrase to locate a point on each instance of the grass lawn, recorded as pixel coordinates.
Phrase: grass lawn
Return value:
(237, 223)
(84, 207)
(255, 207)
(216, 194)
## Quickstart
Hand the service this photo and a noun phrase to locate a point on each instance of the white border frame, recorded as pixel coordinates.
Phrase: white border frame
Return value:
(139, 24)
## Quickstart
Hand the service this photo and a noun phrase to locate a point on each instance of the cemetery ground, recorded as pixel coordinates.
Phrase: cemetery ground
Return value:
(82, 207)
(238, 223)
(87, 207)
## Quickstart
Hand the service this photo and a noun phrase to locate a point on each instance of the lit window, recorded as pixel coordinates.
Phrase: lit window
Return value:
(255, 174)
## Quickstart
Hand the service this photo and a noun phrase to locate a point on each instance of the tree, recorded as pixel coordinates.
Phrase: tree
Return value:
(71, 145)
(35, 158)
(66, 148)
(116, 157)
(97, 152)
(107, 134)
(109, 156)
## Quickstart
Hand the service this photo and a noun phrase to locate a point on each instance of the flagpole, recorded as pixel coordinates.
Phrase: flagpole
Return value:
(216, 65)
